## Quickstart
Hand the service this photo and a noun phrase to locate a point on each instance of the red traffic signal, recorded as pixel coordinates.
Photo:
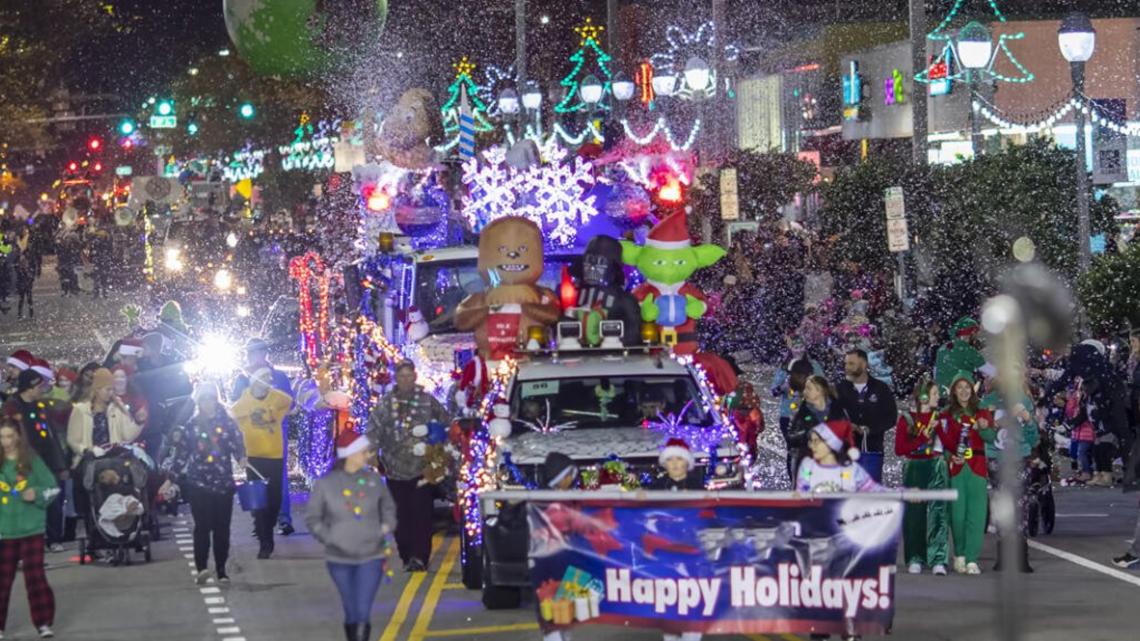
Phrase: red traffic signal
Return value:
(95, 144)
(73, 166)
(98, 166)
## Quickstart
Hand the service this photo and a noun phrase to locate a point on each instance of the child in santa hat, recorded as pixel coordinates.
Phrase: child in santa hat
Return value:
(19, 361)
(831, 466)
(677, 461)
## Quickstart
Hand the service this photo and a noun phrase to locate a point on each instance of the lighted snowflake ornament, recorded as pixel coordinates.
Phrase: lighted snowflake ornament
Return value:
(547, 424)
(700, 438)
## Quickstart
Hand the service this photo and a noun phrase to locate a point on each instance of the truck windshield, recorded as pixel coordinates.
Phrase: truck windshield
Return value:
(441, 286)
(606, 401)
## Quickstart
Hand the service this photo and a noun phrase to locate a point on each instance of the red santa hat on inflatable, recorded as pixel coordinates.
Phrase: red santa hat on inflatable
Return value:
(676, 448)
(837, 435)
(349, 443)
(43, 368)
(670, 233)
(21, 359)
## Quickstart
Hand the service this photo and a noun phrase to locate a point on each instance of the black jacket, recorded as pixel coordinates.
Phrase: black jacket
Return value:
(38, 432)
(694, 481)
(875, 408)
(805, 420)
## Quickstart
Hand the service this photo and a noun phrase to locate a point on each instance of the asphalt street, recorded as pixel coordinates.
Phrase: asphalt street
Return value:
(1074, 595)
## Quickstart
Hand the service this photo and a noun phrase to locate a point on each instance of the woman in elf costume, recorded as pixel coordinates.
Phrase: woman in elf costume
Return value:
(925, 537)
(26, 489)
(964, 429)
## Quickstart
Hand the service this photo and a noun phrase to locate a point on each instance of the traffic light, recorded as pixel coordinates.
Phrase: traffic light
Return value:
(247, 111)
(94, 143)
(73, 166)
(165, 108)
(127, 127)
(192, 129)
(97, 167)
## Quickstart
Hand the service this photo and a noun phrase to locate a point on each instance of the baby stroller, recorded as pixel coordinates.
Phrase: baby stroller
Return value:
(118, 516)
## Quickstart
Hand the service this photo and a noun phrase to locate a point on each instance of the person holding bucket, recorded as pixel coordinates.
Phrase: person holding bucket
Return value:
(202, 470)
(260, 414)
(351, 512)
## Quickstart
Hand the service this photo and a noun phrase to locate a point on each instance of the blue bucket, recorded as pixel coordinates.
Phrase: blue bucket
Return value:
(253, 495)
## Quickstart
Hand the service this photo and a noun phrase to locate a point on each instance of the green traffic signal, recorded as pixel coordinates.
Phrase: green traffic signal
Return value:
(246, 111)
(192, 129)
(165, 108)
(127, 127)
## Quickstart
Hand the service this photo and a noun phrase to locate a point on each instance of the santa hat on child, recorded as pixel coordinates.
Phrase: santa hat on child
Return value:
(67, 374)
(21, 359)
(131, 347)
(43, 368)
(349, 443)
(837, 435)
(670, 233)
(676, 448)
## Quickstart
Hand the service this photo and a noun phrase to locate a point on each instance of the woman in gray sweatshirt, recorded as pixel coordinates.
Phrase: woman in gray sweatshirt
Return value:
(351, 512)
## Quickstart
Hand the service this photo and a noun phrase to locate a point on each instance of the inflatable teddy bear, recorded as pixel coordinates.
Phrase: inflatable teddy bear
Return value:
(406, 136)
(666, 261)
(511, 263)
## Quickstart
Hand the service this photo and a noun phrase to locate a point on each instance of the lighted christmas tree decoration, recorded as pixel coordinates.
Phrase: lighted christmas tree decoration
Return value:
(450, 109)
(589, 33)
(943, 33)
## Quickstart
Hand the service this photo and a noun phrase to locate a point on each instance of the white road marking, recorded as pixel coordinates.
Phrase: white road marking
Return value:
(234, 639)
(218, 610)
(230, 630)
(188, 556)
(181, 529)
(1082, 516)
(223, 620)
(185, 548)
(209, 590)
(1086, 563)
(191, 564)
(214, 600)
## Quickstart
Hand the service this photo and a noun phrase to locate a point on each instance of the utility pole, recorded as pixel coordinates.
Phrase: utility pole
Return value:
(612, 27)
(520, 41)
(918, 96)
(720, 122)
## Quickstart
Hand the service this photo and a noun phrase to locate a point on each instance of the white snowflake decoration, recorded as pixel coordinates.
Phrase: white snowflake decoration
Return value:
(551, 194)
(547, 425)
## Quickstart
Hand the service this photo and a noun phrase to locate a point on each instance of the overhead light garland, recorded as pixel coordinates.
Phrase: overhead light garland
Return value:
(1051, 117)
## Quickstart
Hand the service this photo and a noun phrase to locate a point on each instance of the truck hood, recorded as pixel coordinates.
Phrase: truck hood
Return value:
(595, 444)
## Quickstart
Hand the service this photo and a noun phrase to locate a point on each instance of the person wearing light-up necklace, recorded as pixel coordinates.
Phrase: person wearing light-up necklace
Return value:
(397, 424)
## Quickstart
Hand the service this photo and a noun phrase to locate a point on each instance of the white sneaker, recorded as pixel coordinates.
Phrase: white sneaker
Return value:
(939, 570)
(45, 632)
(972, 568)
(960, 564)
(203, 576)
(914, 568)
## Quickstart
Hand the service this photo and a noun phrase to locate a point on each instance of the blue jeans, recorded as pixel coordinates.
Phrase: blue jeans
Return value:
(357, 584)
(872, 462)
(1084, 456)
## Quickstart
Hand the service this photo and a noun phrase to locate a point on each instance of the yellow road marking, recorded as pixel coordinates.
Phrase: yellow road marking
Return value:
(514, 627)
(431, 599)
(406, 598)
(454, 586)
(791, 637)
(758, 637)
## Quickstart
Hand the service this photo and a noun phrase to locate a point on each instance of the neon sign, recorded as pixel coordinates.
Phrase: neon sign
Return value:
(941, 70)
(852, 92)
(894, 92)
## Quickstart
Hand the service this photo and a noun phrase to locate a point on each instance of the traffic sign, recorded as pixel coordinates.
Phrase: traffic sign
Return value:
(163, 122)
(898, 240)
(896, 205)
(729, 194)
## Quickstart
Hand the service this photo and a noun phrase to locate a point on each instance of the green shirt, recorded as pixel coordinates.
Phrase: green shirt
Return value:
(20, 518)
(1030, 434)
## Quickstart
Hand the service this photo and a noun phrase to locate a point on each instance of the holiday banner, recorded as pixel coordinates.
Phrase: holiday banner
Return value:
(719, 566)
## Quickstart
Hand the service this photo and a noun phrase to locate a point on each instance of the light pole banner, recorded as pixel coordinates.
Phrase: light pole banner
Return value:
(725, 566)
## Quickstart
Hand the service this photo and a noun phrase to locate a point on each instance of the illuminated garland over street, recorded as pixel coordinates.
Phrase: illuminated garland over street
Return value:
(1054, 116)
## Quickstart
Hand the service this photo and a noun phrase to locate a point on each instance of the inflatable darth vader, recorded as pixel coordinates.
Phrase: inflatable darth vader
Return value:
(602, 295)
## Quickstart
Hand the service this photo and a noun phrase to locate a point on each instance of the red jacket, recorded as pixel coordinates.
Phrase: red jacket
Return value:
(687, 332)
(950, 431)
(910, 442)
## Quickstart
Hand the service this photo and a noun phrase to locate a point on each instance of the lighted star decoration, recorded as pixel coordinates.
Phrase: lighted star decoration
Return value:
(589, 31)
(463, 68)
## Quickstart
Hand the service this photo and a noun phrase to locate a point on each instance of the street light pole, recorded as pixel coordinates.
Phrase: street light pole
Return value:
(520, 40)
(1084, 229)
(976, 142)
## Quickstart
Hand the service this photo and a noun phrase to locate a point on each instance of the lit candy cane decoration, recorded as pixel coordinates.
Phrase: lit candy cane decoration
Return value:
(644, 80)
(314, 332)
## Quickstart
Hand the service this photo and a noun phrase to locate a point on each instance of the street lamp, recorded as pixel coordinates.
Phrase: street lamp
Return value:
(664, 82)
(591, 90)
(623, 87)
(697, 74)
(975, 50)
(509, 101)
(1077, 40)
(532, 101)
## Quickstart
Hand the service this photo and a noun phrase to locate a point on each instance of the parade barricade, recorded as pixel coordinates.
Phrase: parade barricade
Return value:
(715, 562)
